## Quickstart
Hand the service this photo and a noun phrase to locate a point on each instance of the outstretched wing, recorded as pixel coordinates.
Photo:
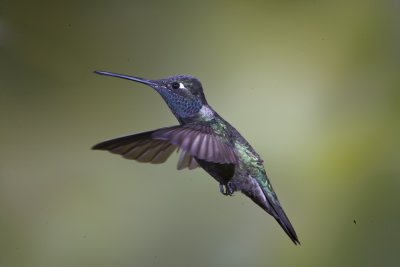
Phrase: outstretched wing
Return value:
(199, 141)
(141, 147)
(195, 141)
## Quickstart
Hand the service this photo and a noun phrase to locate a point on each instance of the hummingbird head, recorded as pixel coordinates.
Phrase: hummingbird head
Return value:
(182, 93)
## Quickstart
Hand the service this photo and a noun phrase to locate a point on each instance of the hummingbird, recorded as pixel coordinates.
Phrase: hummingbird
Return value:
(204, 139)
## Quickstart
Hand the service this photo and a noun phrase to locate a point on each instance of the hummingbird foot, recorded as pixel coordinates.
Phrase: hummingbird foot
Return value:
(226, 189)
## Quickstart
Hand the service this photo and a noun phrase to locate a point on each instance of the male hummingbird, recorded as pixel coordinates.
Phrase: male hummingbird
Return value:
(205, 139)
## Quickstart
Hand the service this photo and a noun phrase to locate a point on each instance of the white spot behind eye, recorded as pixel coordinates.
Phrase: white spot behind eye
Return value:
(181, 86)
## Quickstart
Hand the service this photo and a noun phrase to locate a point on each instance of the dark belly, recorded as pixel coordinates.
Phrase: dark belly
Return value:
(223, 173)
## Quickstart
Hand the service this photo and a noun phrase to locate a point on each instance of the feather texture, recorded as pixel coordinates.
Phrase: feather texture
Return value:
(186, 161)
(194, 141)
(200, 141)
(141, 147)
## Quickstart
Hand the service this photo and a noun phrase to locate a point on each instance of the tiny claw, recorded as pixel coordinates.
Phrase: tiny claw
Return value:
(226, 189)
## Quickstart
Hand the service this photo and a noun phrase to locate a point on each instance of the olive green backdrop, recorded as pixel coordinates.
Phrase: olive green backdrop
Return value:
(313, 85)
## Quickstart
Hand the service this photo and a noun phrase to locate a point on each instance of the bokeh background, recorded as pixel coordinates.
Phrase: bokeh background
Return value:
(313, 85)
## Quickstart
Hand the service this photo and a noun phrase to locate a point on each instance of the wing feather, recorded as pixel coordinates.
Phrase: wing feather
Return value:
(196, 141)
(200, 141)
(141, 147)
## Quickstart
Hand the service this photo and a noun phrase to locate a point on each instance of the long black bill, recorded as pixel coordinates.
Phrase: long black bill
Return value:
(135, 79)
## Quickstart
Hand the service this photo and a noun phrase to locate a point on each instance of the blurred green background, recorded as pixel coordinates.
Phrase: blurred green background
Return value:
(313, 85)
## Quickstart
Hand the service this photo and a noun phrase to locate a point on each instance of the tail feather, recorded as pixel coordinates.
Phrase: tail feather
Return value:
(268, 201)
(284, 222)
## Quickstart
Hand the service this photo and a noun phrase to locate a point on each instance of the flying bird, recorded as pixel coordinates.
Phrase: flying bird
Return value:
(204, 140)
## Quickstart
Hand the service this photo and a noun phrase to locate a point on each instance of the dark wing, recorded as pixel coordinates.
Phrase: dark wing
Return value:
(141, 147)
(199, 141)
(195, 141)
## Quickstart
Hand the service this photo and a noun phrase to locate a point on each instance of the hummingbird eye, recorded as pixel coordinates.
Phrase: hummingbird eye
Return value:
(175, 85)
